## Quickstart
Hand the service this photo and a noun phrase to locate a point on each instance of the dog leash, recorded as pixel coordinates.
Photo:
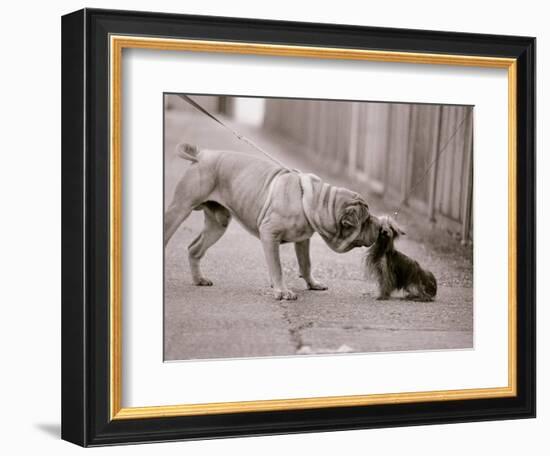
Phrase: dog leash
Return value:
(439, 153)
(238, 135)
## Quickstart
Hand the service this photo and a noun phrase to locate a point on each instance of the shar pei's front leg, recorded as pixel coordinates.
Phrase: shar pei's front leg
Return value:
(304, 262)
(271, 245)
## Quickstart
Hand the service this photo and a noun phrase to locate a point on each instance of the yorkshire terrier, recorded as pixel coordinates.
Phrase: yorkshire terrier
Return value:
(394, 270)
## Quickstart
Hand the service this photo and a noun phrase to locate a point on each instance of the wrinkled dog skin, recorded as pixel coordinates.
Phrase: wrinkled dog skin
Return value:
(272, 203)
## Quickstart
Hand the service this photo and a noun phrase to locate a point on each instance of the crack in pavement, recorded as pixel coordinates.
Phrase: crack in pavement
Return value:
(295, 331)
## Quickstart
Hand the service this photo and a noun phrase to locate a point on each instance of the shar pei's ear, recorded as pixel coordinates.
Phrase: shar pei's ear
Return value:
(354, 215)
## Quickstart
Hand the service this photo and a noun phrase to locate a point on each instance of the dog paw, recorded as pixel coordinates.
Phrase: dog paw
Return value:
(416, 297)
(314, 285)
(203, 282)
(285, 295)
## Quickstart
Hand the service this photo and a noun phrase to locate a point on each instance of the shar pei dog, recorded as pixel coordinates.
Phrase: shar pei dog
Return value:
(273, 203)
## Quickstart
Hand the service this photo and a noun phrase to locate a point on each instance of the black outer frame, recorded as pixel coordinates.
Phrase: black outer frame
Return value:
(85, 227)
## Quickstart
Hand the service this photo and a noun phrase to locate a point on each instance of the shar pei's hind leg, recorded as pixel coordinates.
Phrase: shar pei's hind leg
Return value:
(216, 220)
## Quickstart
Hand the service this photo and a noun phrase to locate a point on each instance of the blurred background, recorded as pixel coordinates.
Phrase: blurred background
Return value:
(415, 156)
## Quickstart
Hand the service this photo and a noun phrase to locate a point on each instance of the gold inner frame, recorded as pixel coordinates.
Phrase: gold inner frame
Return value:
(117, 44)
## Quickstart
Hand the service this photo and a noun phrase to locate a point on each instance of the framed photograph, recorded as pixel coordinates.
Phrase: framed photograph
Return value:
(277, 227)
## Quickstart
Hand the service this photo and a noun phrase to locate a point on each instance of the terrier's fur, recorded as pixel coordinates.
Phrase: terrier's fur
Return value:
(394, 270)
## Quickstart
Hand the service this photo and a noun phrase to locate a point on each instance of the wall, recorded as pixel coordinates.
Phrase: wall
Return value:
(30, 229)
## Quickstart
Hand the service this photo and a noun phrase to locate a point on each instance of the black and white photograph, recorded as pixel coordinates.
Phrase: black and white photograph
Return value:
(316, 227)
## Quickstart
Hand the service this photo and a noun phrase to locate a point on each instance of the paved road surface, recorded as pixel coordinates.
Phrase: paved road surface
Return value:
(238, 317)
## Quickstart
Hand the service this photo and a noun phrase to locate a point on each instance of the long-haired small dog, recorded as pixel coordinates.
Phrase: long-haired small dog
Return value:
(394, 270)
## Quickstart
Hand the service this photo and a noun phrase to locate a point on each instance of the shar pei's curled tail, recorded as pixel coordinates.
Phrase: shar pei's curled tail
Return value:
(187, 152)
